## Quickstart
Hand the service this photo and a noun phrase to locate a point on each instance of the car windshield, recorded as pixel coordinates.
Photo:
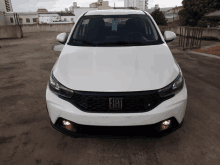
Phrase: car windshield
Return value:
(115, 30)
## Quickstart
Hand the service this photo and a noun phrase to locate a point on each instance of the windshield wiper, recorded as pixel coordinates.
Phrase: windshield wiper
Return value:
(86, 42)
(110, 42)
(120, 42)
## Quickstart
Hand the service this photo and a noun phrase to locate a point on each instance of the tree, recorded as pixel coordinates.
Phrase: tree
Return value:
(194, 10)
(159, 17)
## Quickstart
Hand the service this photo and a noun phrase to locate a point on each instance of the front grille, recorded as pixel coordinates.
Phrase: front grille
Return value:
(133, 102)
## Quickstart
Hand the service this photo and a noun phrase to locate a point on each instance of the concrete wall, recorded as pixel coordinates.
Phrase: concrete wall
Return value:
(10, 32)
(207, 32)
(46, 27)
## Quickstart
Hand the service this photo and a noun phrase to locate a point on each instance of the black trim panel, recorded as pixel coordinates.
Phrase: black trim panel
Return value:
(117, 131)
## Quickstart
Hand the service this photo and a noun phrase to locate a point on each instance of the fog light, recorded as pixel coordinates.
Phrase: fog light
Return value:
(165, 124)
(69, 126)
(65, 122)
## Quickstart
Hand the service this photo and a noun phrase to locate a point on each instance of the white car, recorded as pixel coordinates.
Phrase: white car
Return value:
(116, 71)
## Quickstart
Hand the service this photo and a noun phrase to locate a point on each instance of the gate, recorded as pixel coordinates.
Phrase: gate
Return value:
(190, 37)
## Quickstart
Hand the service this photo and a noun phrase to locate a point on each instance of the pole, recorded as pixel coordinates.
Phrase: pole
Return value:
(200, 38)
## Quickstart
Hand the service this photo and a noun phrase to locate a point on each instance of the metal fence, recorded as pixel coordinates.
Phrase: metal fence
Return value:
(190, 37)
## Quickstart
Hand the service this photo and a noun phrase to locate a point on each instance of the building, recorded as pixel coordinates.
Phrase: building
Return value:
(28, 17)
(172, 14)
(67, 17)
(42, 10)
(213, 19)
(55, 17)
(7, 16)
(80, 10)
(139, 4)
(213, 14)
(101, 5)
(93, 5)
(12, 18)
(2, 18)
(157, 7)
(49, 17)
(104, 5)
(71, 8)
(6, 6)
(74, 4)
(96, 4)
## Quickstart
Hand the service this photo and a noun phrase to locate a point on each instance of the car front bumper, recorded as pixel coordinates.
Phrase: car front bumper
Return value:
(171, 108)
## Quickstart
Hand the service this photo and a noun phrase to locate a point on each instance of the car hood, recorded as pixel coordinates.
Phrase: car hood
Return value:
(132, 68)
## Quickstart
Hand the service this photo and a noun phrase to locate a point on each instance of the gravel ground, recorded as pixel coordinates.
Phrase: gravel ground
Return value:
(26, 136)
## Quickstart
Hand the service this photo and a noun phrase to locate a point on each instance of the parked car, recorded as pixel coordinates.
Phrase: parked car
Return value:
(116, 71)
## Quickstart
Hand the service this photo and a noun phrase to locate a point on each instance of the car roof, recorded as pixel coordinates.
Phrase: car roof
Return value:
(114, 12)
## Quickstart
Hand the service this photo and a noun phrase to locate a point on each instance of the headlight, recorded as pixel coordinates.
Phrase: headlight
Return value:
(57, 88)
(174, 87)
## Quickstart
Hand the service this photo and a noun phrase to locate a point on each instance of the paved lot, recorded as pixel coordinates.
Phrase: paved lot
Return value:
(26, 136)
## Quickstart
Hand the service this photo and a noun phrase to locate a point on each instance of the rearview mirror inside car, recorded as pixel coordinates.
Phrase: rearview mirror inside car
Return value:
(169, 36)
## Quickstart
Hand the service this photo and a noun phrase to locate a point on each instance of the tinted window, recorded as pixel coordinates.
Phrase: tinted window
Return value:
(115, 30)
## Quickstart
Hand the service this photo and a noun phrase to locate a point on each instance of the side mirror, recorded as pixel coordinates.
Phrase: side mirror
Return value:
(62, 37)
(169, 36)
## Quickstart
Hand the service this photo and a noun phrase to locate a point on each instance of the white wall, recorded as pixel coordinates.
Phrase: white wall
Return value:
(24, 17)
(7, 19)
(48, 18)
(140, 4)
(3, 6)
(2, 19)
(68, 18)
(81, 10)
(125, 3)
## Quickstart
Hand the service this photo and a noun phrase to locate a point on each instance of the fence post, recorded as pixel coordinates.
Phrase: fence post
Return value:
(180, 36)
(200, 37)
(197, 38)
(193, 37)
(184, 38)
(187, 36)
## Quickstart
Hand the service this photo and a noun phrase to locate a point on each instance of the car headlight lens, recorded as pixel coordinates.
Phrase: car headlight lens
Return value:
(173, 88)
(59, 89)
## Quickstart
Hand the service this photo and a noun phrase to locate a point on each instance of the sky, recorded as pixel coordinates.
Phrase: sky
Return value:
(59, 5)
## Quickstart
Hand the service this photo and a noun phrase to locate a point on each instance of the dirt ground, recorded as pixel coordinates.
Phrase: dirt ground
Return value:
(215, 50)
(26, 136)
